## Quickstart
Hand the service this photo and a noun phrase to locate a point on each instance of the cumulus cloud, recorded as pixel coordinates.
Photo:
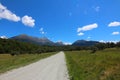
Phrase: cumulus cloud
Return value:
(28, 21)
(3, 37)
(80, 34)
(115, 33)
(87, 27)
(7, 14)
(80, 30)
(114, 24)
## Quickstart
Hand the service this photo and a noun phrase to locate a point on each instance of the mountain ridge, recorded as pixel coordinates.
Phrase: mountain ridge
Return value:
(31, 39)
(46, 41)
(85, 43)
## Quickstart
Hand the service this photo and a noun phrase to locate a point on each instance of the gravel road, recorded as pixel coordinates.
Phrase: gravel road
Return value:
(51, 68)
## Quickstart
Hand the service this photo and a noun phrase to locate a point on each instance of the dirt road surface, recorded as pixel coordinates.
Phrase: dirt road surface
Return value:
(51, 68)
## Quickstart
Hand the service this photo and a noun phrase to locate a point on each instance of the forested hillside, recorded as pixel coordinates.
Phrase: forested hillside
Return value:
(17, 47)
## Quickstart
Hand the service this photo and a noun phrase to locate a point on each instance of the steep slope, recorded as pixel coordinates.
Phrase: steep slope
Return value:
(35, 40)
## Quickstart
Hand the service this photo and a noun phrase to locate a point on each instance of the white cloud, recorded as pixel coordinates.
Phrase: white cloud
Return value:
(67, 43)
(102, 41)
(28, 21)
(7, 14)
(87, 27)
(114, 24)
(42, 31)
(111, 41)
(115, 33)
(80, 34)
(3, 37)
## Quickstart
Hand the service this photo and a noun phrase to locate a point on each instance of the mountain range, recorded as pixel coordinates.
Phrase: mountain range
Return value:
(46, 41)
(36, 40)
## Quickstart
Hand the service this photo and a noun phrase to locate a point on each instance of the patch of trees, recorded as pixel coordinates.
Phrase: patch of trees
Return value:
(102, 46)
(14, 47)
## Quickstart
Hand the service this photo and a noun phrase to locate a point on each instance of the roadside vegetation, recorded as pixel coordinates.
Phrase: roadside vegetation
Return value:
(8, 62)
(100, 65)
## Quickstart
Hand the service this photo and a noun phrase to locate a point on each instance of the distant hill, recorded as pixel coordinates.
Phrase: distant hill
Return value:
(84, 43)
(46, 41)
(35, 40)
(59, 43)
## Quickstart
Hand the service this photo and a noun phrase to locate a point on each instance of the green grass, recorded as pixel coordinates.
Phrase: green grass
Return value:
(8, 62)
(102, 65)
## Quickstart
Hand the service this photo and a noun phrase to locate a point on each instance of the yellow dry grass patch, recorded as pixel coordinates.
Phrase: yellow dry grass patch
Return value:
(109, 72)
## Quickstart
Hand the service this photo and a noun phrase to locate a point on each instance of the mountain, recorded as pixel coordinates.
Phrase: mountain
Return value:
(59, 43)
(35, 40)
(84, 43)
(46, 41)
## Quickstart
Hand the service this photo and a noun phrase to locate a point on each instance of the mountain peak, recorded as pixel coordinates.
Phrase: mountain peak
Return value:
(84, 43)
(35, 40)
(59, 43)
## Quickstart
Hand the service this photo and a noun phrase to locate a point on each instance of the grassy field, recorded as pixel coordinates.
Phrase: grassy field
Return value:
(102, 65)
(8, 62)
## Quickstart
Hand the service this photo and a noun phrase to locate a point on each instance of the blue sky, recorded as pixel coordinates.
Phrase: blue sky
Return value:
(61, 20)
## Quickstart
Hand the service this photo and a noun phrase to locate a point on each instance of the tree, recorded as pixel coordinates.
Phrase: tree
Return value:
(101, 46)
(94, 49)
(118, 44)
